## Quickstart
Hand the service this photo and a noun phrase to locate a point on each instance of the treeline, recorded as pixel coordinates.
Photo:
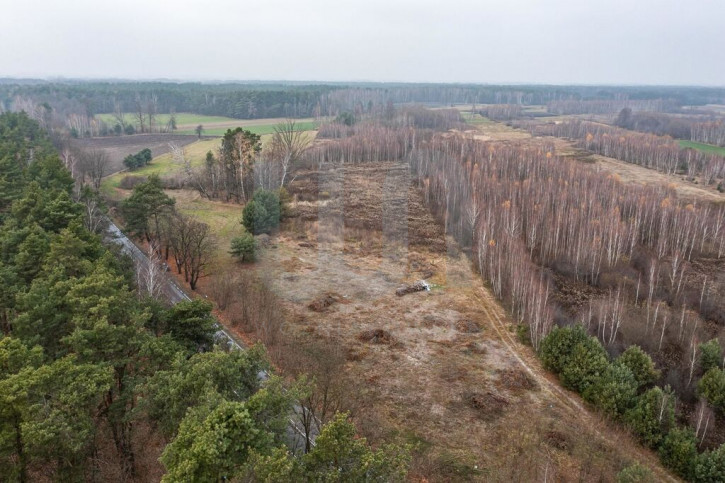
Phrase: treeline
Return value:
(661, 124)
(73, 104)
(661, 153)
(501, 112)
(390, 136)
(100, 383)
(698, 129)
(708, 132)
(610, 106)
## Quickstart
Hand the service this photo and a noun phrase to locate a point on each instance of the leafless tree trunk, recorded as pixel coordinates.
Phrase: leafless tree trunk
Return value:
(152, 106)
(94, 164)
(201, 250)
(150, 274)
(288, 144)
(140, 113)
(118, 115)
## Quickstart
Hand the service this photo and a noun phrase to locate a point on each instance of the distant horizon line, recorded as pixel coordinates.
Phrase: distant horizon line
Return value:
(211, 81)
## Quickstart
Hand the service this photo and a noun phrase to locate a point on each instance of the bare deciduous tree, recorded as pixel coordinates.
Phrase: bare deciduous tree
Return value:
(149, 274)
(93, 166)
(288, 144)
(201, 250)
(140, 113)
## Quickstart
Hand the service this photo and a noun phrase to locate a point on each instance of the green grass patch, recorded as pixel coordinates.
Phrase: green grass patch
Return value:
(705, 148)
(163, 165)
(475, 118)
(163, 119)
(261, 129)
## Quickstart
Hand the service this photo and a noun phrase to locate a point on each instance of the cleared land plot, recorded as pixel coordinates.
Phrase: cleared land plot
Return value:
(437, 368)
(118, 147)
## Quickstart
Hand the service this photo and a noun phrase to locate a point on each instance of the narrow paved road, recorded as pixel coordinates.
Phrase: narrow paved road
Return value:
(174, 294)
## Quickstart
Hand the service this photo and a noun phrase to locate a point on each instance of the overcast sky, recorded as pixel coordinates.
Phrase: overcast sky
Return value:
(520, 41)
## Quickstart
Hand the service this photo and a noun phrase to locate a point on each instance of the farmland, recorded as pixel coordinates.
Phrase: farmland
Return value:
(186, 123)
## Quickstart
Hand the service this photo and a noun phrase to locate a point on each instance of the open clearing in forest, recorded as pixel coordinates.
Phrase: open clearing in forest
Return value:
(118, 147)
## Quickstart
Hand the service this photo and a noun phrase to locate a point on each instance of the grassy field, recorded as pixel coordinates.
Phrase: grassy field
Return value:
(474, 118)
(181, 119)
(215, 125)
(222, 217)
(705, 148)
(261, 129)
(162, 165)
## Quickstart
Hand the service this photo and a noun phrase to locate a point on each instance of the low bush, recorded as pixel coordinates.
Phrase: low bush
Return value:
(679, 451)
(263, 213)
(244, 247)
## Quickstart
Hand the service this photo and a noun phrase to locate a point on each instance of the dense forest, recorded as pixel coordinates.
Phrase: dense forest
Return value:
(101, 382)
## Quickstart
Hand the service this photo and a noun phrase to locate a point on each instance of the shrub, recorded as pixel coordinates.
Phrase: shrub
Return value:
(635, 473)
(712, 387)
(138, 160)
(615, 391)
(580, 360)
(652, 416)
(587, 364)
(130, 182)
(262, 214)
(679, 451)
(244, 247)
(641, 365)
(558, 345)
(284, 200)
(710, 466)
(710, 355)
